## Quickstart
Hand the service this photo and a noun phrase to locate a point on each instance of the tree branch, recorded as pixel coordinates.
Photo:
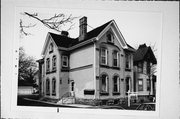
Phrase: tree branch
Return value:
(55, 22)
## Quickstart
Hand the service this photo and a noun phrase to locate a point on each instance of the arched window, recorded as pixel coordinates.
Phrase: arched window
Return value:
(104, 83)
(51, 48)
(54, 63)
(110, 37)
(104, 56)
(47, 87)
(53, 86)
(116, 84)
(128, 84)
(47, 65)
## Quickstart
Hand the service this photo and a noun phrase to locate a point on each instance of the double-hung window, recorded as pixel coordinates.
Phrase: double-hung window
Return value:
(116, 86)
(128, 61)
(47, 87)
(104, 83)
(64, 61)
(47, 65)
(115, 58)
(54, 63)
(53, 86)
(140, 84)
(104, 56)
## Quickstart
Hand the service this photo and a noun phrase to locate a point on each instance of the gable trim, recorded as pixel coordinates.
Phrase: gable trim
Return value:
(48, 39)
(116, 27)
(78, 45)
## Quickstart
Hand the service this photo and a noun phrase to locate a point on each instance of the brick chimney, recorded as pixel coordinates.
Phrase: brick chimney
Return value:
(82, 28)
(64, 33)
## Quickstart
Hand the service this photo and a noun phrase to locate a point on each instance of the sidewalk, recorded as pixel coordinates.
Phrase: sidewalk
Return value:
(63, 105)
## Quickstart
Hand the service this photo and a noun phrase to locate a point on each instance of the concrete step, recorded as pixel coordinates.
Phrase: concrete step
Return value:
(67, 100)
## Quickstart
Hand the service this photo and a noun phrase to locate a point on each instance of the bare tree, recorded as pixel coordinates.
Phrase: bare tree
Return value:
(27, 68)
(55, 22)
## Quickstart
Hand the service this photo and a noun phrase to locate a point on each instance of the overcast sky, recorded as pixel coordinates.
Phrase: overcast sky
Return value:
(136, 27)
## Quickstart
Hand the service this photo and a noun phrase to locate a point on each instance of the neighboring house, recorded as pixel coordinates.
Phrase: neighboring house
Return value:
(25, 90)
(144, 71)
(98, 65)
(36, 77)
(40, 76)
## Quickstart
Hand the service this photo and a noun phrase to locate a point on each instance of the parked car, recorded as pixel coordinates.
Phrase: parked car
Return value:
(146, 106)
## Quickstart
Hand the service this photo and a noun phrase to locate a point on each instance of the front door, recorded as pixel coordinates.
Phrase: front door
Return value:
(128, 86)
(72, 88)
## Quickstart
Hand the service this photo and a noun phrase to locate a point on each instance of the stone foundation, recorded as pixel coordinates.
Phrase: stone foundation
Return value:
(96, 102)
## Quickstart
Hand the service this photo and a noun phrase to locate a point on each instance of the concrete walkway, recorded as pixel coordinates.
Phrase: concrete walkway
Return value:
(66, 105)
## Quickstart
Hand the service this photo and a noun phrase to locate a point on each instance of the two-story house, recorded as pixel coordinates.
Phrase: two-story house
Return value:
(144, 71)
(97, 65)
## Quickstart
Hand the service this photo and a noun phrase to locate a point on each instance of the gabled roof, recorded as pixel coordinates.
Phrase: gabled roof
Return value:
(63, 41)
(67, 42)
(95, 32)
(144, 53)
(129, 48)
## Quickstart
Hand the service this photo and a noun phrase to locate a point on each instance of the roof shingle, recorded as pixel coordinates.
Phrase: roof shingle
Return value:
(66, 42)
(142, 54)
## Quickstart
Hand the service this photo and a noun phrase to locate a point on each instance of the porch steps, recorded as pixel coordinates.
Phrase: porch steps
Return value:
(67, 100)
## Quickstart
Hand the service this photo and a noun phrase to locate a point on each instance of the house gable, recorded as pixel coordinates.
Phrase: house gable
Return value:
(48, 40)
(144, 53)
(112, 27)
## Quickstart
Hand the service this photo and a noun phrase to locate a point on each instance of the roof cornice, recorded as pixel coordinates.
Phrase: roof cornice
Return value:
(78, 45)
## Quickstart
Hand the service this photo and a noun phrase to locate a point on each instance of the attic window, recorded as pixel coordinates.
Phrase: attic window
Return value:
(110, 38)
(51, 48)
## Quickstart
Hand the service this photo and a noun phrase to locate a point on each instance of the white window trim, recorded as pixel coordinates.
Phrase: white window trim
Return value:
(117, 57)
(47, 64)
(129, 61)
(53, 85)
(112, 38)
(51, 47)
(106, 56)
(106, 85)
(118, 85)
(47, 87)
(65, 61)
(54, 62)
(140, 84)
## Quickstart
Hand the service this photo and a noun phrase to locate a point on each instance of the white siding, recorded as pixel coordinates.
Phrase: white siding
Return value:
(83, 79)
(82, 57)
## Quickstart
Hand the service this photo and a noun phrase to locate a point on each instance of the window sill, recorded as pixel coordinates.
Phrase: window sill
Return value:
(53, 71)
(116, 93)
(110, 42)
(127, 69)
(48, 72)
(65, 69)
(104, 93)
(50, 51)
(89, 92)
(116, 67)
(104, 65)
